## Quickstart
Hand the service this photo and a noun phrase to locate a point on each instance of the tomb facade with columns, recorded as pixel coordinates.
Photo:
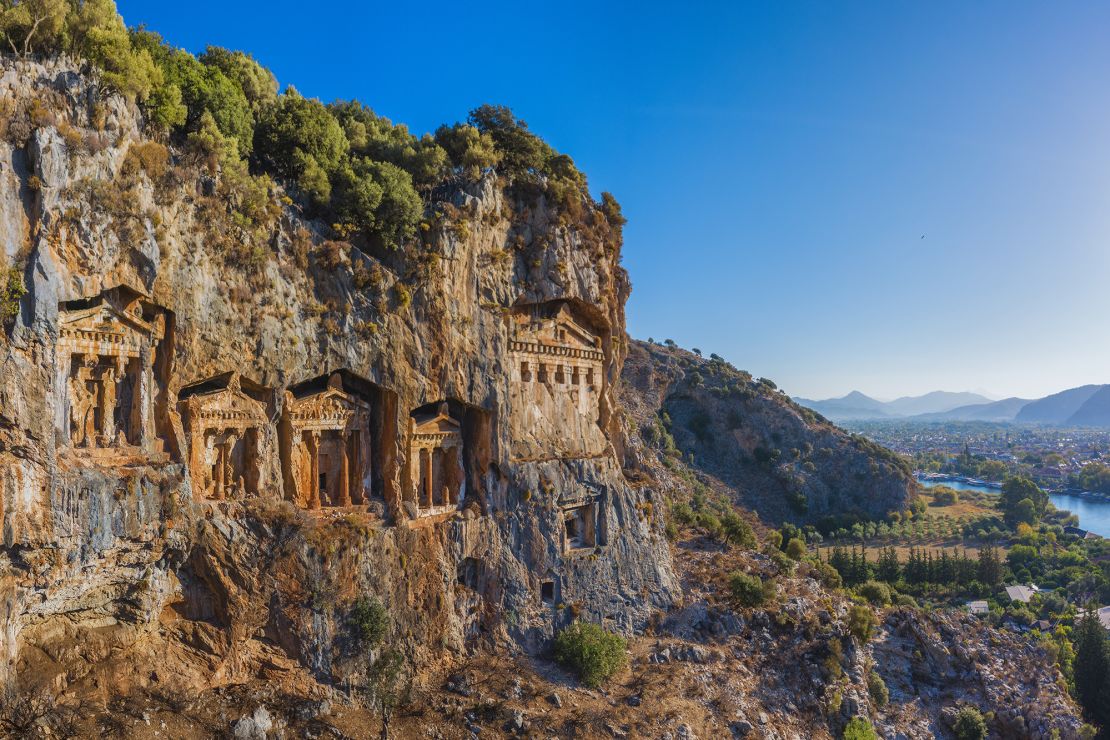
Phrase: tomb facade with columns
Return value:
(436, 459)
(556, 380)
(228, 430)
(326, 445)
(585, 526)
(105, 372)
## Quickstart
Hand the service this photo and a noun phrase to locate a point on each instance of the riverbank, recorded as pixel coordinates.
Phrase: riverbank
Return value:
(1093, 509)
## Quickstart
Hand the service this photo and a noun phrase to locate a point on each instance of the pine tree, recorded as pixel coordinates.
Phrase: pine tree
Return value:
(888, 568)
(1092, 669)
(990, 567)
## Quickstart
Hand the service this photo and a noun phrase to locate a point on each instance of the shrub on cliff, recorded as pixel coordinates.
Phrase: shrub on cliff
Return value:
(591, 652)
(369, 621)
(861, 622)
(258, 84)
(876, 592)
(750, 591)
(859, 728)
(11, 290)
(969, 724)
(795, 548)
(736, 530)
(876, 687)
(522, 152)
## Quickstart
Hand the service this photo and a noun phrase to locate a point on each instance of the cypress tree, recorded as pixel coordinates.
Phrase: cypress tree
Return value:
(1092, 669)
(990, 567)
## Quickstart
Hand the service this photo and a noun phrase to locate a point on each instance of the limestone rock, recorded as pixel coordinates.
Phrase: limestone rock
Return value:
(254, 726)
(205, 440)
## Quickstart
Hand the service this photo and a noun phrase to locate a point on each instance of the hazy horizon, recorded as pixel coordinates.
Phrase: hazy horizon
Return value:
(891, 198)
(989, 393)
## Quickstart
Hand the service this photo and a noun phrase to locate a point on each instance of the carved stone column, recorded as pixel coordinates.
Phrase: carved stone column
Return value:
(197, 450)
(90, 397)
(109, 379)
(344, 469)
(358, 495)
(219, 483)
(312, 440)
(144, 396)
(230, 479)
(426, 464)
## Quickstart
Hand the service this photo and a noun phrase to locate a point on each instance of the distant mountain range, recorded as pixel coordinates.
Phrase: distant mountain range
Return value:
(1086, 406)
(858, 406)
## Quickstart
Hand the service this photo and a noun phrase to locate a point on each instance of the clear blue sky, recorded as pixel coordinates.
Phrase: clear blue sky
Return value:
(779, 163)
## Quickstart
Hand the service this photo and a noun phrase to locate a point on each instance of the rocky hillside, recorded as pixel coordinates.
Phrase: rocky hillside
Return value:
(228, 429)
(773, 456)
(219, 436)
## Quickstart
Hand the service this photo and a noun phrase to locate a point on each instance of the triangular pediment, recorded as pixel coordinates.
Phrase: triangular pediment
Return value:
(438, 424)
(104, 318)
(574, 334)
(227, 399)
(331, 398)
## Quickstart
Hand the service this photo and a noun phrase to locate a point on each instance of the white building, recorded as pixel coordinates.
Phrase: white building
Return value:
(977, 607)
(1022, 593)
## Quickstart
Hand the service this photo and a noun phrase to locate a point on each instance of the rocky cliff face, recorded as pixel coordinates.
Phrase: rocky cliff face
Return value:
(775, 457)
(434, 427)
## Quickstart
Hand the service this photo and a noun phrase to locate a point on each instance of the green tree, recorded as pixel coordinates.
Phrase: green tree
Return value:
(377, 197)
(386, 686)
(206, 89)
(370, 622)
(258, 84)
(1024, 512)
(969, 724)
(989, 567)
(97, 33)
(521, 150)
(34, 26)
(296, 131)
(795, 548)
(11, 290)
(861, 622)
(1015, 490)
(1092, 669)
(747, 590)
(377, 138)
(737, 531)
(400, 209)
(859, 728)
(876, 687)
(164, 107)
(468, 149)
(591, 652)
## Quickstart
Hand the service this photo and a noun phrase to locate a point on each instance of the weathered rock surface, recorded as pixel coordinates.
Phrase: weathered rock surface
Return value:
(779, 459)
(118, 548)
(161, 590)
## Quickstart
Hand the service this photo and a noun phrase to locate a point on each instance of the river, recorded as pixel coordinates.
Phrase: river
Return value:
(1094, 515)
